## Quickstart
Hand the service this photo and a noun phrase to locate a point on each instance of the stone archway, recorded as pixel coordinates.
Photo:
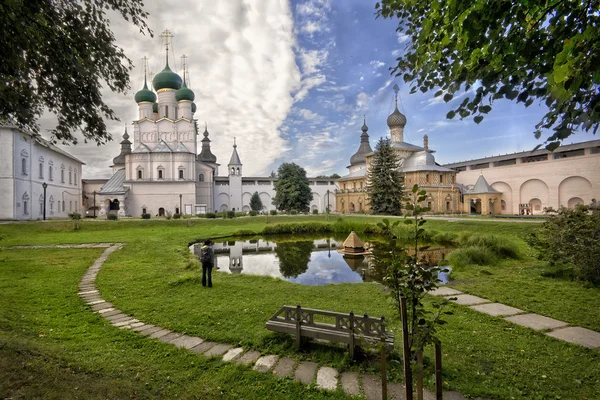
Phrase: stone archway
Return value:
(574, 202)
(161, 212)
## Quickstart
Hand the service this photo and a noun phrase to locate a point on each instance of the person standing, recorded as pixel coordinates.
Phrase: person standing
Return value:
(207, 257)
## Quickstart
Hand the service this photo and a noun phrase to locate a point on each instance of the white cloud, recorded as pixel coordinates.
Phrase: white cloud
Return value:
(307, 114)
(242, 70)
(377, 64)
(362, 101)
(402, 37)
(312, 60)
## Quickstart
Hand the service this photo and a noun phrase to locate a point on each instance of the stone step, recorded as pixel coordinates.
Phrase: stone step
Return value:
(305, 372)
(265, 363)
(327, 378)
(285, 367)
(350, 384)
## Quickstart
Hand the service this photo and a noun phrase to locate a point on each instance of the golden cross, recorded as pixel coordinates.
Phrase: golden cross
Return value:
(166, 34)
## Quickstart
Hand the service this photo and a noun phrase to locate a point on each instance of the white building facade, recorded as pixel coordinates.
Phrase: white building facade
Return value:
(28, 162)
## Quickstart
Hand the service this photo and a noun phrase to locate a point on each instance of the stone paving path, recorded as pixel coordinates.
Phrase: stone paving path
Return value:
(307, 372)
(549, 326)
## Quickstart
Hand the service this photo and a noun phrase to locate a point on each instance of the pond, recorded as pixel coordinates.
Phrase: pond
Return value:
(306, 261)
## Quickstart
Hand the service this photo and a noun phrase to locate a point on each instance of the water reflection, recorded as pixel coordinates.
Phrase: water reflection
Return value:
(307, 262)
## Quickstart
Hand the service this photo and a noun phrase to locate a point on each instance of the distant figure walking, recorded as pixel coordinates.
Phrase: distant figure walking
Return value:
(207, 257)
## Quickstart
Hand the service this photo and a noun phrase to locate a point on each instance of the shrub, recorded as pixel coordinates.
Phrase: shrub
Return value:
(571, 240)
(112, 217)
(240, 214)
(230, 214)
(472, 255)
(74, 215)
(315, 211)
(146, 216)
(273, 212)
(168, 215)
(293, 212)
(446, 238)
(252, 213)
(176, 216)
(210, 215)
(500, 246)
(221, 214)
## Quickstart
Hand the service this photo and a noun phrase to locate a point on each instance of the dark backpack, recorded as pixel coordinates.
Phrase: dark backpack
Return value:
(205, 254)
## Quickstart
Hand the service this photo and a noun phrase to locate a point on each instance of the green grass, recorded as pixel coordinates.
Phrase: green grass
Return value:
(153, 278)
(53, 347)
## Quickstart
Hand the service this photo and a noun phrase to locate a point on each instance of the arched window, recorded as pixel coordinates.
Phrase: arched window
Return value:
(70, 178)
(180, 171)
(75, 178)
(161, 172)
(41, 170)
(24, 166)
(50, 175)
(25, 199)
(70, 205)
(237, 171)
(140, 172)
(232, 171)
(201, 177)
(62, 173)
(166, 111)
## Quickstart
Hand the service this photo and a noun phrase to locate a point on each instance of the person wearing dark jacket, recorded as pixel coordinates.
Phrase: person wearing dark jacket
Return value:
(207, 257)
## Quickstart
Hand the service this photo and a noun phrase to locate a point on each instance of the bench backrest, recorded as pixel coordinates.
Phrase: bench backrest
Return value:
(344, 322)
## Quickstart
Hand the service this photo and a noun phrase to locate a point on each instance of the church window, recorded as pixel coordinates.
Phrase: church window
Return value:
(41, 204)
(447, 206)
(201, 177)
(429, 204)
(166, 111)
(237, 170)
(426, 178)
(25, 207)
(181, 174)
(441, 179)
(144, 211)
(140, 174)
(70, 178)
(50, 172)
(232, 171)
(24, 166)
(161, 174)
(75, 178)
(70, 205)
(41, 170)
(63, 206)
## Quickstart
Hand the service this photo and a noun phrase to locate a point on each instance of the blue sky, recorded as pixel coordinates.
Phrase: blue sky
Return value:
(291, 80)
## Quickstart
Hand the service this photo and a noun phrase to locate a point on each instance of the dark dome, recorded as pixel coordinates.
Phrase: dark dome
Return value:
(166, 79)
(184, 93)
(145, 95)
(396, 119)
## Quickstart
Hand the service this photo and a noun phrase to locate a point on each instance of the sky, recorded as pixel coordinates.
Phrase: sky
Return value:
(291, 81)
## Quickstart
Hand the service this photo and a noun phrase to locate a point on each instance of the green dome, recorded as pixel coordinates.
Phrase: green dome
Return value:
(166, 79)
(155, 108)
(145, 95)
(184, 93)
(193, 107)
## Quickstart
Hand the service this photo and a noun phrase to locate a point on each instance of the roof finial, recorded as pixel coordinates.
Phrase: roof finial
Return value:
(145, 61)
(166, 34)
(184, 62)
(234, 145)
(396, 90)
(125, 135)
(426, 142)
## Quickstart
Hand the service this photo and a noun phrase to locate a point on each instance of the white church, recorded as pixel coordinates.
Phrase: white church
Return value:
(161, 172)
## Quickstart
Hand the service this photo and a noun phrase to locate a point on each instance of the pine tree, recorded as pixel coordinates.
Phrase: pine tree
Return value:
(385, 182)
(255, 202)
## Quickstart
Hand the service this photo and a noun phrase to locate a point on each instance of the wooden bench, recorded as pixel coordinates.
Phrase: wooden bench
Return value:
(348, 329)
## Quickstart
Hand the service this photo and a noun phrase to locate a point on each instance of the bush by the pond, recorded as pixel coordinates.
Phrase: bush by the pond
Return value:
(230, 214)
(472, 255)
(445, 238)
(252, 213)
(339, 226)
(273, 212)
(146, 216)
(315, 211)
(210, 215)
(500, 246)
(176, 216)
(240, 213)
(112, 217)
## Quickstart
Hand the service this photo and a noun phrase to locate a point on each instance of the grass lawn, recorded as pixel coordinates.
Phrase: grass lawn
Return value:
(153, 278)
